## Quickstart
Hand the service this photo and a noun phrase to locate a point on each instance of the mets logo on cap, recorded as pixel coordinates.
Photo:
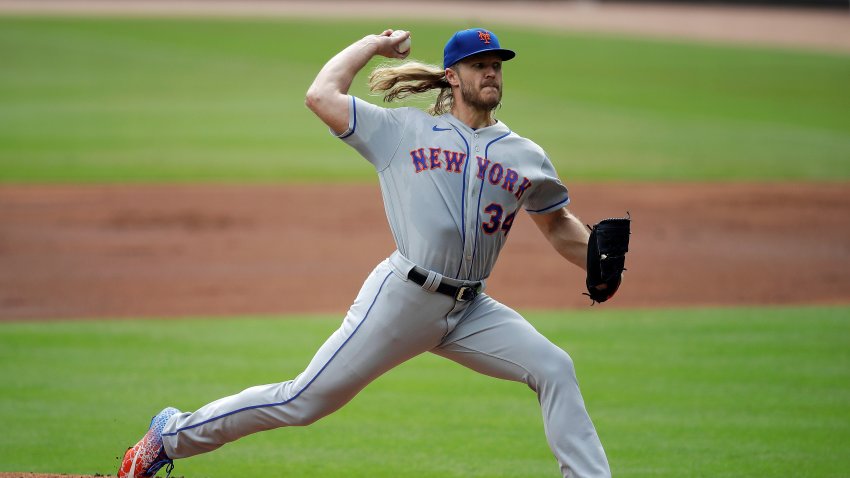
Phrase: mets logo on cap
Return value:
(466, 43)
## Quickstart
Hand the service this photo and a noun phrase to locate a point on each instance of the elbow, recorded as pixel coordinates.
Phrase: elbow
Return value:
(312, 99)
(328, 106)
(317, 96)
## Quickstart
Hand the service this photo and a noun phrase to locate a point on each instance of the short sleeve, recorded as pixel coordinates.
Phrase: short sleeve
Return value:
(548, 193)
(373, 131)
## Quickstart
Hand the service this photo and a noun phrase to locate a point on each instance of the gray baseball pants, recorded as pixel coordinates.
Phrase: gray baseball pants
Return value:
(393, 320)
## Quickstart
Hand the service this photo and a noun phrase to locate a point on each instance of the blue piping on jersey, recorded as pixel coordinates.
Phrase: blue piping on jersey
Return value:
(478, 216)
(486, 148)
(354, 125)
(462, 204)
(305, 386)
(560, 203)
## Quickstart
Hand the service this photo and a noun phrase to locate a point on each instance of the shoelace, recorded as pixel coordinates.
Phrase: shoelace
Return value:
(156, 466)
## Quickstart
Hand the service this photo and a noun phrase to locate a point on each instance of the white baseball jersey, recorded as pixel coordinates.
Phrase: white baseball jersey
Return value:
(450, 192)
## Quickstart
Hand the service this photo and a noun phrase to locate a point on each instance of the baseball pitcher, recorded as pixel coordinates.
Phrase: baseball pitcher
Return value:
(453, 180)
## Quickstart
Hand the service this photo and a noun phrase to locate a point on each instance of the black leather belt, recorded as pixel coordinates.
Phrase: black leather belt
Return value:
(459, 290)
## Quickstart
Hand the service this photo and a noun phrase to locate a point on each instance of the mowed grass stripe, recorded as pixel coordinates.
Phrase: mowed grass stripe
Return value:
(718, 392)
(104, 100)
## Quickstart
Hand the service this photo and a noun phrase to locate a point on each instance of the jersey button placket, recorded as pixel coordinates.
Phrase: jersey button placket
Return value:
(474, 189)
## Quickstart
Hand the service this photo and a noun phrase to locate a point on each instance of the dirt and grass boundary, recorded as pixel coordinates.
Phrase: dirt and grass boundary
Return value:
(801, 28)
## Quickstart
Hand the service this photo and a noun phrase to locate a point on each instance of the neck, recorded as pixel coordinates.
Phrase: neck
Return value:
(472, 117)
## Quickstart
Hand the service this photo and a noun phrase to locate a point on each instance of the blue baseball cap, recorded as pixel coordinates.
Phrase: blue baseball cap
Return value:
(466, 43)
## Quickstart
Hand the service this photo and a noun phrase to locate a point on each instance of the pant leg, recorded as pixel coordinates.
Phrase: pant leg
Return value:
(493, 339)
(391, 321)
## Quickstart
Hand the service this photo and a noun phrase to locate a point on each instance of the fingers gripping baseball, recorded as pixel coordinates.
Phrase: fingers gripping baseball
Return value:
(394, 44)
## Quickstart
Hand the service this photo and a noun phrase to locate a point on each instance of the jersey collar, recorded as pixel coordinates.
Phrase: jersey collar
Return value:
(499, 128)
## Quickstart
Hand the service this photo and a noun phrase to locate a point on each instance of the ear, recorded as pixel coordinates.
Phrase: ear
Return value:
(452, 77)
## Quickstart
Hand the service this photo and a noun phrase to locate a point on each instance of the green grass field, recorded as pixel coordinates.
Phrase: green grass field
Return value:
(99, 100)
(754, 392)
(674, 393)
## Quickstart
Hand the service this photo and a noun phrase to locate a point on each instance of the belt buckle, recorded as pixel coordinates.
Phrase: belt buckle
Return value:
(465, 293)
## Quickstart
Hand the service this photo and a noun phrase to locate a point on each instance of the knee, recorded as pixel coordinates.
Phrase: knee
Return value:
(307, 417)
(310, 413)
(555, 367)
(305, 420)
(564, 365)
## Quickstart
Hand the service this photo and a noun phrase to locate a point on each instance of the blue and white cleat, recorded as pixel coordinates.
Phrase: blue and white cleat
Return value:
(148, 455)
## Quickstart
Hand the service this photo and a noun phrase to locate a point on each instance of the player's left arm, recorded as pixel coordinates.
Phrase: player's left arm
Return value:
(567, 234)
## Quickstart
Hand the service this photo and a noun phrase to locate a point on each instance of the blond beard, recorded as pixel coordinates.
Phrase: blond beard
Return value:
(471, 98)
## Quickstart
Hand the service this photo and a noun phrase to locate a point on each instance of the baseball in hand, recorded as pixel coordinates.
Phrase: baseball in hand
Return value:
(403, 46)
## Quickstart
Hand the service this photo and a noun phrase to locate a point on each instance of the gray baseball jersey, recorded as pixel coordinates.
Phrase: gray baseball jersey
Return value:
(451, 194)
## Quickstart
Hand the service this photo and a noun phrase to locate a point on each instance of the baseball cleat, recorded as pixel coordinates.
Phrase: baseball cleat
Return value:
(148, 455)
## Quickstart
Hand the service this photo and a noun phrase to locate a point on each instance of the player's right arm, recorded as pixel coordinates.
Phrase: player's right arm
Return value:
(328, 95)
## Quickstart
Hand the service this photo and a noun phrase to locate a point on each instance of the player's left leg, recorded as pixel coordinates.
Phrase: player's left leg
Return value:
(495, 340)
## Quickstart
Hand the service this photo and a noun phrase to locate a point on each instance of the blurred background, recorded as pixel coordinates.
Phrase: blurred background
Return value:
(207, 179)
(175, 226)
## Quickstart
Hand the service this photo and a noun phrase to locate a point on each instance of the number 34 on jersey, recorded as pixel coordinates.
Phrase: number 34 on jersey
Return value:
(492, 172)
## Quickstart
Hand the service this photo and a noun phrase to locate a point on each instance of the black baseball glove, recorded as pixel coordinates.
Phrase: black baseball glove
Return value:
(606, 257)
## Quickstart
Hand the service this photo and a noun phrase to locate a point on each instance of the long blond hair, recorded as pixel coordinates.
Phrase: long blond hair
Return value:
(411, 78)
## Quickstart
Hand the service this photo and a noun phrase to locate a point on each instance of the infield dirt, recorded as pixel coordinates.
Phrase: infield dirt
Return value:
(204, 250)
(42, 475)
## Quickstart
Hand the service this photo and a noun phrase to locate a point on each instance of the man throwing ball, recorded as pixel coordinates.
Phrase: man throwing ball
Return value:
(453, 180)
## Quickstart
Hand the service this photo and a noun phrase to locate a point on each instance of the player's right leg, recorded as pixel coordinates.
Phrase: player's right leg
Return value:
(391, 321)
